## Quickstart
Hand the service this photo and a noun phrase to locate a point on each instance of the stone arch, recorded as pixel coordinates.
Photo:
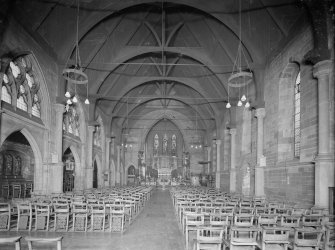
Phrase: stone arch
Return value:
(39, 186)
(78, 167)
(130, 177)
(99, 170)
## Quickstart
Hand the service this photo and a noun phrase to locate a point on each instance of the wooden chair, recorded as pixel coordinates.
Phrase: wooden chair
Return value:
(312, 221)
(192, 221)
(24, 216)
(5, 216)
(79, 216)
(44, 241)
(27, 189)
(267, 220)
(12, 240)
(275, 238)
(208, 238)
(98, 217)
(116, 218)
(290, 221)
(329, 241)
(5, 190)
(243, 220)
(42, 216)
(307, 238)
(16, 192)
(62, 216)
(242, 238)
(220, 221)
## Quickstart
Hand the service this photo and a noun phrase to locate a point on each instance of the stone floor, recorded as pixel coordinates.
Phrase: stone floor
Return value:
(156, 228)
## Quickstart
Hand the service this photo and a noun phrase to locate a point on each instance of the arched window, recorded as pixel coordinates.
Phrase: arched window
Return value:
(297, 116)
(71, 121)
(20, 73)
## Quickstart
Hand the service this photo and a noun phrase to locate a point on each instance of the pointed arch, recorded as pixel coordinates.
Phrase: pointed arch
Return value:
(99, 170)
(39, 186)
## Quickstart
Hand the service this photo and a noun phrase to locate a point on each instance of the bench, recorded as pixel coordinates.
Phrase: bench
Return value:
(15, 240)
(41, 240)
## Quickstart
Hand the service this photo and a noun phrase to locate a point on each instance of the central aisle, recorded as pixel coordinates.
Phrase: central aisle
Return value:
(156, 228)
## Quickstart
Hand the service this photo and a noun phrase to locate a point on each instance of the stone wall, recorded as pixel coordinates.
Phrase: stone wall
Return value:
(287, 177)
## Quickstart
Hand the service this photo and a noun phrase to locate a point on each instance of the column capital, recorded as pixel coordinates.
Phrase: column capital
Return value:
(232, 131)
(260, 112)
(218, 142)
(59, 107)
(322, 68)
(91, 128)
(108, 140)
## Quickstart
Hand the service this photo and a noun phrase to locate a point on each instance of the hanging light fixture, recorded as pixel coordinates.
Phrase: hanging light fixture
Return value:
(196, 140)
(240, 77)
(74, 74)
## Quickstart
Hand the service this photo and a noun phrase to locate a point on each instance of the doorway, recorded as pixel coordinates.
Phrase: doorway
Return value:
(95, 175)
(68, 173)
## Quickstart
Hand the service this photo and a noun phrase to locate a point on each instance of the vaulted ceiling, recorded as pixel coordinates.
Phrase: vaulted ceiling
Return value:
(148, 60)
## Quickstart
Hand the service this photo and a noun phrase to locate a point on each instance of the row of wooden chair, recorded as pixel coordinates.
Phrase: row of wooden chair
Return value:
(16, 190)
(244, 216)
(16, 241)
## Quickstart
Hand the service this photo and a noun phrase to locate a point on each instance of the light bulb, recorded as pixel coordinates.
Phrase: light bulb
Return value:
(69, 101)
(239, 103)
(87, 101)
(243, 98)
(74, 99)
(192, 146)
(67, 94)
(228, 105)
(247, 105)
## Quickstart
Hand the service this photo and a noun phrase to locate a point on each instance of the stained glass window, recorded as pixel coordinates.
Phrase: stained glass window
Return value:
(71, 121)
(297, 116)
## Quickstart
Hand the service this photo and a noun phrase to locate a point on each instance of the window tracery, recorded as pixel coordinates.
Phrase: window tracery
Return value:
(297, 116)
(19, 79)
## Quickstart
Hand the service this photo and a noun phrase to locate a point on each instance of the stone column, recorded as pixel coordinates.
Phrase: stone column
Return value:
(107, 167)
(210, 170)
(259, 169)
(225, 151)
(89, 163)
(260, 164)
(324, 165)
(57, 167)
(118, 166)
(232, 188)
(218, 165)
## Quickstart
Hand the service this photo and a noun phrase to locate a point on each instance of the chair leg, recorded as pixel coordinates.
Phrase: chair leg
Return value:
(17, 245)
(59, 245)
(30, 246)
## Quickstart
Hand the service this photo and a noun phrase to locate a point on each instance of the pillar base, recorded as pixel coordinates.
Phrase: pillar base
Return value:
(89, 178)
(324, 178)
(56, 178)
(218, 180)
(259, 181)
(232, 183)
